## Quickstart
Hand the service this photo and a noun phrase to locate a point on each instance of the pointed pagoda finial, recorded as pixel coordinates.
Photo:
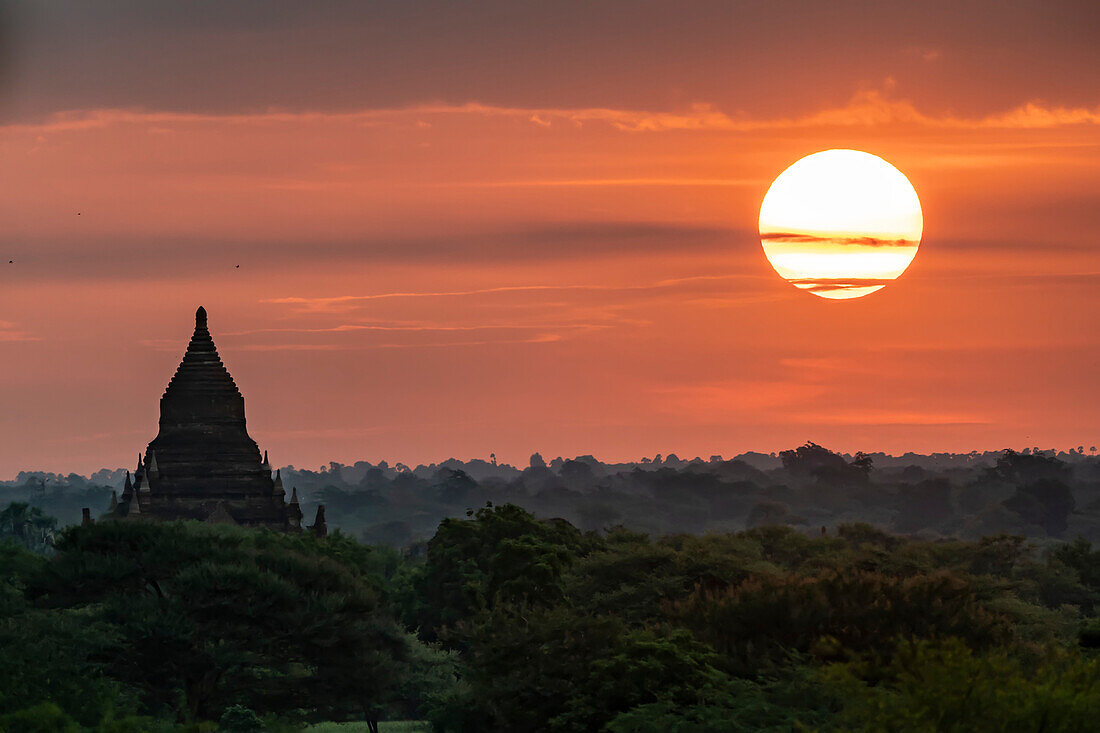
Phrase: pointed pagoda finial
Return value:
(151, 464)
(200, 317)
(265, 465)
(128, 485)
(113, 506)
(294, 512)
(140, 464)
(320, 526)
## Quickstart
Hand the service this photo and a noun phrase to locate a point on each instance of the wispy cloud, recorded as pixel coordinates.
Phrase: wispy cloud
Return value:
(418, 328)
(11, 333)
(824, 285)
(542, 338)
(607, 183)
(865, 108)
(343, 303)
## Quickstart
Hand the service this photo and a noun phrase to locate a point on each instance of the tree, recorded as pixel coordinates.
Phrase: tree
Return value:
(454, 486)
(45, 717)
(239, 719)
(1080, 556)
(835, 615)
(924, 504)
(811, 460)
(27, 525)
(946, 686)
(215, 616)
(503, 554)
(825, 467)
(1024, 468)
(559, 669)
(1046, 502)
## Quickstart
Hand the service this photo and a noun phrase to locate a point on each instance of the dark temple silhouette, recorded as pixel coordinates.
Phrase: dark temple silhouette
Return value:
(203, 465)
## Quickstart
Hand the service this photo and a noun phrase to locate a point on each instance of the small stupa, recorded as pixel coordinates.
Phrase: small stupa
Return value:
(203, 465)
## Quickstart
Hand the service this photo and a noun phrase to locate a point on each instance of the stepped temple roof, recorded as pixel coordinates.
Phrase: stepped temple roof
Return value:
(202, 464)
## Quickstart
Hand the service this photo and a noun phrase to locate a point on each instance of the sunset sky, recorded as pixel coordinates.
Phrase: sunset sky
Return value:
(509, 227)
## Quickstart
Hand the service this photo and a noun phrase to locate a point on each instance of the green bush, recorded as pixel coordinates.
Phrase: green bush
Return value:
(42, 718)
(239, 719)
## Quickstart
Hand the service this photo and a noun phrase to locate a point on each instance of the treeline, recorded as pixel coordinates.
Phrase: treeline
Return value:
(507, 622)
(1035, 494)
(1039, 494)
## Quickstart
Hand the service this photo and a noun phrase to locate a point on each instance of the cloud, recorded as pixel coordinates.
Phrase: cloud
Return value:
(344, 303)
(822, 285)
(865, 108)
(419, 328)
(84, 258)
(793, 238)
(608, 183)
(539, 339)
(10, 333)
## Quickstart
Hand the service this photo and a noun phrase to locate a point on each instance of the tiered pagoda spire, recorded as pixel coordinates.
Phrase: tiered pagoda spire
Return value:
(203, 465)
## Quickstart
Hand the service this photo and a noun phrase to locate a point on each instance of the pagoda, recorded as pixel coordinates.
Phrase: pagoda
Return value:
(203, 465)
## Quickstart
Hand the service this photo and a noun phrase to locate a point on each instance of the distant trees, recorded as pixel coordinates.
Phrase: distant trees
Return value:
(769, 512)
(827, 468)
(924, 504)
(29, 526)
(1046, 502)
(812, 460)
(1041, 492)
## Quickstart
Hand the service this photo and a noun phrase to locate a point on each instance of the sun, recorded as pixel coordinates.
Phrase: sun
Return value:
(841, 223)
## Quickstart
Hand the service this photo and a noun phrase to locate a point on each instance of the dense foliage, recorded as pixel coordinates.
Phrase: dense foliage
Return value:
(505, 621)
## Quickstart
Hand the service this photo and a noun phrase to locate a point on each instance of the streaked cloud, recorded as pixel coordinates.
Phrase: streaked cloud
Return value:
(865, 108)
(11, 333)
(798, 238)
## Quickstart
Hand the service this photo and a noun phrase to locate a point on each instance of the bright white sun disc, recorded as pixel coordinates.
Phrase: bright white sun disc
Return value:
(841, 223)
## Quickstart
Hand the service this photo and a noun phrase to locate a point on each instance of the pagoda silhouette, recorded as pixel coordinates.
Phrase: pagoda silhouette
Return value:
(203, 465)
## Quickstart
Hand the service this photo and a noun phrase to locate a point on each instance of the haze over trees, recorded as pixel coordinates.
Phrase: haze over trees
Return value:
(1039, 494)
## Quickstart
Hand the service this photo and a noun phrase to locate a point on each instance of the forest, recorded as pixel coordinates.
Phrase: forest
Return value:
(1043, 495)
(810, 591)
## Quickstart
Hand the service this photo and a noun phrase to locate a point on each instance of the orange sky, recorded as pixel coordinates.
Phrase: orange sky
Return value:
(474, 259)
